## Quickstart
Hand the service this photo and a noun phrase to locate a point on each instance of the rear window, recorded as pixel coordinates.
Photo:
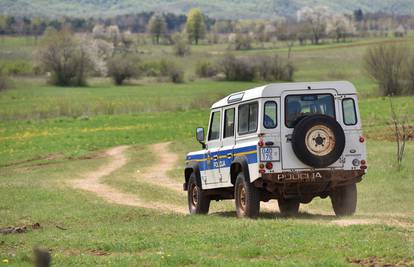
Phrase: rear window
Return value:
(248, 118)
(349, 111)
(297, 106)
(270, 115)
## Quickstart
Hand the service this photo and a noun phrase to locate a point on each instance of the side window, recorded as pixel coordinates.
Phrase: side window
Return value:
(214, 132)
(248, 115)
(229, 123)
(270, 115)
(349, 111)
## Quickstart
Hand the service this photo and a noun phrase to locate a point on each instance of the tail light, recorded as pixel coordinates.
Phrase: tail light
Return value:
(269, 165)
(261, 166)
(361, 139)
(261, 143)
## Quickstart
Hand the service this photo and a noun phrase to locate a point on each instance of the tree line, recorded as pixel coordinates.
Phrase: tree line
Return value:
(136, 23)
(310, 23)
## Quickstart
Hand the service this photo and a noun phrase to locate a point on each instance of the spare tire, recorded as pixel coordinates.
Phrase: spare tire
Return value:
(318, 140)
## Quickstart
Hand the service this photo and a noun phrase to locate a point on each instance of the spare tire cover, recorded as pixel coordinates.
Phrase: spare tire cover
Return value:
(318, 140)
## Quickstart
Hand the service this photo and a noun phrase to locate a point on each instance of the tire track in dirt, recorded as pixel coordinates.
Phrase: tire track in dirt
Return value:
(157, 174)
(91, 182)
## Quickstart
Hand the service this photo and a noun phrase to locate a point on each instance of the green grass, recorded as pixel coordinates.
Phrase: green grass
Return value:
(130, 236)
(51, 135)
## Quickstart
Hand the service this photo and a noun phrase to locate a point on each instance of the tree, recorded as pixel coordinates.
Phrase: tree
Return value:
(181, 47)
(99, 32)
(114, 34)
(339, 27)
(316, 19)
(240, 41)
(123, 66)
(157, 27)
(385, 64)
(403, 132)
(358, 15)
(65, 57)
(196, 27)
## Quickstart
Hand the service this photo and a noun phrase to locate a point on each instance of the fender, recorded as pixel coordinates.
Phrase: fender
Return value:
(239, 164)
(189, 169)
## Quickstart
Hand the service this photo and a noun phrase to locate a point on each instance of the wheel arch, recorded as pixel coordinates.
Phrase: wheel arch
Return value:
(238, 165)
(189, 169)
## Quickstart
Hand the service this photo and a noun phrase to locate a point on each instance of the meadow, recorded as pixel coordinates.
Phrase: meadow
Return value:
(50, 136)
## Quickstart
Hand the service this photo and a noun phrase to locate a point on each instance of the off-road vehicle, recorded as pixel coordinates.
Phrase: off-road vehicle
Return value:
(286, 141)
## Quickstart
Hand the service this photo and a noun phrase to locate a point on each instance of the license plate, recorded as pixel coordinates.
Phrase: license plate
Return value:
(270, 154)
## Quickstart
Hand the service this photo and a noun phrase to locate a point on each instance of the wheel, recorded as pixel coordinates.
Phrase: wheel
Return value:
(318, 140)
(344, 200)
(247, 198)
(198, 202)
(288, 207)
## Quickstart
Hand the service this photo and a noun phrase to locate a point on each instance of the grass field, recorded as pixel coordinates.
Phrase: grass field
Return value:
(50, 136)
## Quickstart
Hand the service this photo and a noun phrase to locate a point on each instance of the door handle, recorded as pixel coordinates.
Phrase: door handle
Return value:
(215, 157)
(229, 155)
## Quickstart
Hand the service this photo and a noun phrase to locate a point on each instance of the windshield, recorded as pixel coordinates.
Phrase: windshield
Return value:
(297, 106)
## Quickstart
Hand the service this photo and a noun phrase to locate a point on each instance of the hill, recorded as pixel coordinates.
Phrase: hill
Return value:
(214, 8)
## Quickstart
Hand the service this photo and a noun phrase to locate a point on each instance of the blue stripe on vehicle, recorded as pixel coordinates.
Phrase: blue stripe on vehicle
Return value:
(208, 164)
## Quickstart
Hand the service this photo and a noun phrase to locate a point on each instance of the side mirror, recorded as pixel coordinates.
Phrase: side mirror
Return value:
(200, 136)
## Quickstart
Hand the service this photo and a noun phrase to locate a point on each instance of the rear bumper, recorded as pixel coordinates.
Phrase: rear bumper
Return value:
(307, 183)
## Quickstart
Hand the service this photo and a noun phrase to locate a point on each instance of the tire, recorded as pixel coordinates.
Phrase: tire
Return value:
(288, 207)
(198, 202)
(344, 200)
(318, 140)
(247, 198)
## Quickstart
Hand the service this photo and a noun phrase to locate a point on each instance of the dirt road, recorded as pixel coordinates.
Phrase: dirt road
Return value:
(166, 162)
(117, 159)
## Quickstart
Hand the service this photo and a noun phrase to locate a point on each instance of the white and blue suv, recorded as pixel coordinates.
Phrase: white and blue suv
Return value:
(286, 141)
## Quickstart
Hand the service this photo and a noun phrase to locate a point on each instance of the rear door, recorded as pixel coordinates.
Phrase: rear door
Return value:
(296, 104)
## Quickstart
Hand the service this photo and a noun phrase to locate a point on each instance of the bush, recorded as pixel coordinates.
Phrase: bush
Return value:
(259, 67)
(181, 47)
(409, 73)
(237, 69)
(206, 69)
(385, 64)
(241, 41)
(18, 68)
(65, 57)
(122, 67)
(176, 75)
(4, 82)
(273, 69)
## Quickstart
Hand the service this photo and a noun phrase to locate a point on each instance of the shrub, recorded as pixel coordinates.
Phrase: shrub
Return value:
(4, 83)
(65, 57)
(259, 67)
(18, 68)
(181, 46)
(164, 68)
(241, 41)
(237, 69)
(123, 66)
(384, 63)
(409, 74)
(176, 75)
(273, 69)
(206, 69)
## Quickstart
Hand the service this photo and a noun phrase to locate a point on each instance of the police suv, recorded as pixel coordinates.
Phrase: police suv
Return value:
(286, 141)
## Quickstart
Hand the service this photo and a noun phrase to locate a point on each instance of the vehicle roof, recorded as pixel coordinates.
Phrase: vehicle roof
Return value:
(276, 89)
